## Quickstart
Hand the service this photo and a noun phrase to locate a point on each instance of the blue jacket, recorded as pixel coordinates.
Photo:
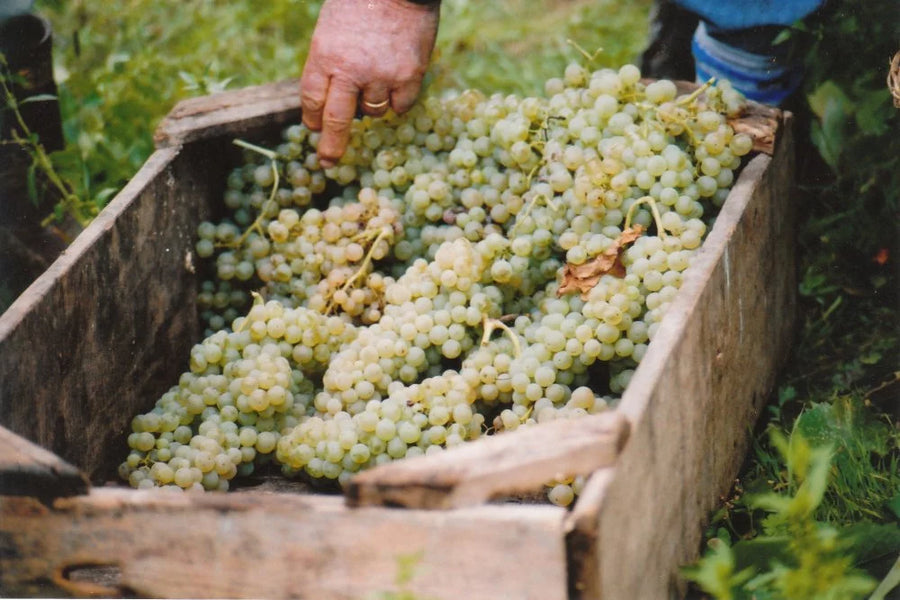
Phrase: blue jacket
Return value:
(741, 14)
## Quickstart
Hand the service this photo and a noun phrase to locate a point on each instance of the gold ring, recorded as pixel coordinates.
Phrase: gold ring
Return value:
(376, 105)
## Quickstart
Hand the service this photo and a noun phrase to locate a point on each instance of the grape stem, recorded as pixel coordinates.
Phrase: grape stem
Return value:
(589, 57)
(270, 154)
(660, 231)
(366, 235)
(531, 173)
(526, 415)
(257, 223)
(257, 300)
(528, 208)
(696, 93)
(490, 325)
(367, 260)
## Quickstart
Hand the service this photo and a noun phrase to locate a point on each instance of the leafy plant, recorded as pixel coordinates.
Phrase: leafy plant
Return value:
(41, 174)
(840, 386)
(861, 503)
(851, 194)
(866, 464)
(796, 555)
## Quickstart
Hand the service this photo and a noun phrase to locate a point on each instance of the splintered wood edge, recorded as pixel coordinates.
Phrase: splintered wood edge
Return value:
(494, 466)
(26, 469)
(229, 113)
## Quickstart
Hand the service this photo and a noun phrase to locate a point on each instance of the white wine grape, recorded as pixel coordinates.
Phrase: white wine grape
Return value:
(415, 296)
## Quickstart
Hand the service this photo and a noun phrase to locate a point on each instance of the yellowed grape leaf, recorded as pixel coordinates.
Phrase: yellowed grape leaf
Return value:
(584, 277)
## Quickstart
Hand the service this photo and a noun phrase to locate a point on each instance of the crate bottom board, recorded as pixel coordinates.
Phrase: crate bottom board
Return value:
(270, 545)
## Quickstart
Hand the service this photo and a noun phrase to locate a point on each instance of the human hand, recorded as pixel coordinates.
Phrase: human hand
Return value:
(367, 53)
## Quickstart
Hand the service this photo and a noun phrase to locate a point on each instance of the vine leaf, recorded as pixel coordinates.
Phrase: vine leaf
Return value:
(585, 276)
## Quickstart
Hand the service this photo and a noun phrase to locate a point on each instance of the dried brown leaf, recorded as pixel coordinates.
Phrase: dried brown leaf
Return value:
(584, 277)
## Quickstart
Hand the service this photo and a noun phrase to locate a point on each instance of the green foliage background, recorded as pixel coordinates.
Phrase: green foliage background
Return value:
(839, 397)
(121, 66)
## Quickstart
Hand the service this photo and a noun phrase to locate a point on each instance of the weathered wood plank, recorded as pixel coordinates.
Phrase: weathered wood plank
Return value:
(230, 113)
(582, 533)
(699, 390)
(494, 466)
(278, 546)
(29, 470)
(102, 332)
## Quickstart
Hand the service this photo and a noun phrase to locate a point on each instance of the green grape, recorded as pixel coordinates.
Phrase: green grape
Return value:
(410, 296)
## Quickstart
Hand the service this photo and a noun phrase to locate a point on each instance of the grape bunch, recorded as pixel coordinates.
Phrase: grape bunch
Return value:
(479, 264)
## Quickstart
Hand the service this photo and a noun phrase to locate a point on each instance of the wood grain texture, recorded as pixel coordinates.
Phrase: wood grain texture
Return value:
(278, 546)
(29, 470)
(81, 341)
(495, 466)
(100, 335)
(231, 113)
(582, 534)
(103, 331)
(701, 386)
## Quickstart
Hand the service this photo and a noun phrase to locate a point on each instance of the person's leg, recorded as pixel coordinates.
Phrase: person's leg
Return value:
(668, 53)
(757, 67)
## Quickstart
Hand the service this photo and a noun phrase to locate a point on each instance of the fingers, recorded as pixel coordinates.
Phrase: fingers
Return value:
(375, 100)
(404, 96)
(313, 91)
(337, 116)
(330, 104)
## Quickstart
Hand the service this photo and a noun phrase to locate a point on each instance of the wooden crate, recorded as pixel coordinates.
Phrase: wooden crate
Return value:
(108, 327)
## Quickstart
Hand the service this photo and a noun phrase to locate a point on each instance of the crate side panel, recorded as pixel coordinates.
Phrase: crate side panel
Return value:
(26, 469)
(99, 335)
(230, 113)
(694, 406)
(279, 546)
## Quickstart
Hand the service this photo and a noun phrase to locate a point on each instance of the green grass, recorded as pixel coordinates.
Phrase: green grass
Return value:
(121, 69)
(841, 387)
(516, 45)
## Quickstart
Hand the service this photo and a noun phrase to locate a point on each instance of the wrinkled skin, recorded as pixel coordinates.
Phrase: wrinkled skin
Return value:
(364, 51)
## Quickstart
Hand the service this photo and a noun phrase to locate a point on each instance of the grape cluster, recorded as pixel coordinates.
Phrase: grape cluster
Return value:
(244, 388)
(416, 294)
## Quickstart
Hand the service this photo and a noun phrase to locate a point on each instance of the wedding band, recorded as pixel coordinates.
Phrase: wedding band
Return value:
(376, 105)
